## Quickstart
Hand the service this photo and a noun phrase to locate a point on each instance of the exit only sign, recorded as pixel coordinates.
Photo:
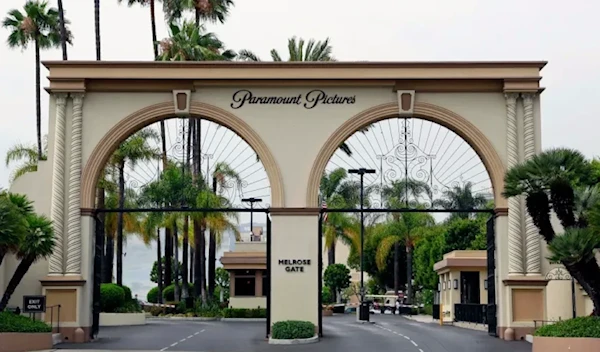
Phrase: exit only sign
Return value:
(34, 304)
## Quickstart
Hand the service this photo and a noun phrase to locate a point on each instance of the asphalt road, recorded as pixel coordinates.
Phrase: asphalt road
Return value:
(341, 333)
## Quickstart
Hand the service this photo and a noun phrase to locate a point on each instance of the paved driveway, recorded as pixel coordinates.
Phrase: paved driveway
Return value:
(342, 333)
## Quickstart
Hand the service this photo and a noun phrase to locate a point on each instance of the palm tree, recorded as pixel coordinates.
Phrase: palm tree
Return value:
(337, 192)
(403, 192)
(315, 51)
(222, 176)
(407, 228)
(205, 10)
(459, 197)
(550, 181)
(133, 150)
(37, 244)
(131, 224)
(219, 222)
(97, 29)
(29, 154)
(13, 222)
(187, 42)
(40, 25)
(151, 4)
(63, 30)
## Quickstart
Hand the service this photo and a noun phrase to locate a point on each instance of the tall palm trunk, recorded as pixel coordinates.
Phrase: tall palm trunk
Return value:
(153, 24)
(159, 268)
(97, 26)
(168, 257)
(408, 274)
(186, 225)
(38, 103)
(120, 223)
(63, 30)
(109, 259)
(330, 254)
(176, 264)
(192, 263)
(22, 269)
(212, 254)
(2, 254)
(396, 268)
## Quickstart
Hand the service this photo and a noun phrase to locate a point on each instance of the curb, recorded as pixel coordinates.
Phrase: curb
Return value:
(245, 319)
(313, 339)
(186, 318)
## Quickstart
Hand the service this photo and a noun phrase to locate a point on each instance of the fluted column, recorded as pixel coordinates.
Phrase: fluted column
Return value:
(74, 214)
(515, 239)
(533, 260)
(57, 213)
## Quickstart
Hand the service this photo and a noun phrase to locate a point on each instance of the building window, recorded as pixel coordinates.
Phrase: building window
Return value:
(245, 286)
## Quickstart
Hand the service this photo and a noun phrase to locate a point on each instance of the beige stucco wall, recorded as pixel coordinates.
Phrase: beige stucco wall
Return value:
(36, 186)
(294, 136)
(248, 302)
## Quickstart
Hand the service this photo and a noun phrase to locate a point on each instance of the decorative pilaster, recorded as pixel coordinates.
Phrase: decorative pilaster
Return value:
(515, 240)
(74, 215)
(57, 213)
(533, 249)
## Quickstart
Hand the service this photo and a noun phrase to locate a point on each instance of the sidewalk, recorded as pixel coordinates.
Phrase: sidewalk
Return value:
(421, 318)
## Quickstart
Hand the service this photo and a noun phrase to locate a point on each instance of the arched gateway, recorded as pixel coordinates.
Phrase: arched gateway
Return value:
(294, 115)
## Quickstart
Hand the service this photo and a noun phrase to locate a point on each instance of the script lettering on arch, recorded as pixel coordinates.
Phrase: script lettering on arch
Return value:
(309, 100)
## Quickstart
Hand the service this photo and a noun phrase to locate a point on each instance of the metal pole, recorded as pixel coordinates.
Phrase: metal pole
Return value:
(573, 302)
(251, 217)
(362, 241)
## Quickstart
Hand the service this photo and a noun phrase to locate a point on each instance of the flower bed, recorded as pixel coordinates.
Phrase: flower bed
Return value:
(579, 334)
(19, 333)
(293, 332)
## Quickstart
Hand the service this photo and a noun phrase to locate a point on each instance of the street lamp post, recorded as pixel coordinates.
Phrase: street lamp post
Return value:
(362, 172)
(251, 200)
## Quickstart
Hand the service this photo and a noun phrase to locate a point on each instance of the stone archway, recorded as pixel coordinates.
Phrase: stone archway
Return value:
(146, 116)
(456, 123)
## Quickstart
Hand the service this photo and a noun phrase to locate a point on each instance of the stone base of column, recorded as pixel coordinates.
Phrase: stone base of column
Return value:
(525, 304)
(66, 291)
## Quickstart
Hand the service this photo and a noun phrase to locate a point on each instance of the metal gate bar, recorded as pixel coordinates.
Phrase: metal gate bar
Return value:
(320, 276)
(268, 276)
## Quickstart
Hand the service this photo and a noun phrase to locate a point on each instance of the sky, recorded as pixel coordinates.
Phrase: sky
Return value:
(564, 34)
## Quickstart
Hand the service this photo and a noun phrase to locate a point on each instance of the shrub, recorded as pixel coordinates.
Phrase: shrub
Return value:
(326, 296)
(209, 310)
(112, 296)
(152, 295)
(293, 329)
(244, 313)
(128, 295)
(578, 327)
(428, 310)
(10, 322)
(169, 293)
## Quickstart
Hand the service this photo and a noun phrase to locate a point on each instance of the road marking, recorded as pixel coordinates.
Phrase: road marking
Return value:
(406, 337)
(182, 340)
(399, 334)
(414, 343)
(420, 350)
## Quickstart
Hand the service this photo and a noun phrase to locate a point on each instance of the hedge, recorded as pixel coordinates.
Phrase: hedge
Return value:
(578, 327)
(244, 313)
(168, 293)
(10, 322)
(292, 329)
(112, 297)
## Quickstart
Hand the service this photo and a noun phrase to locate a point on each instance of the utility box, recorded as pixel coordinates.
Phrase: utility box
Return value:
(363, 314)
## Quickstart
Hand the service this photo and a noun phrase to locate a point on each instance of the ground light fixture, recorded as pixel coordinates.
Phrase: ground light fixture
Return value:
(362, 315)
(251, 200)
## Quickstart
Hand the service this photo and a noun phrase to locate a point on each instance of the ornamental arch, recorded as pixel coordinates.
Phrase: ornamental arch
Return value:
(493, 106)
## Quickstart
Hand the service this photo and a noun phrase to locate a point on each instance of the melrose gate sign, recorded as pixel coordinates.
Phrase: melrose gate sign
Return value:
(309, 100)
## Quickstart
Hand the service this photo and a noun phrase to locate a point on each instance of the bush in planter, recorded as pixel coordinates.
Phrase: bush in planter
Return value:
(128, 295)
(292, 329)
(112, 297)
(152, 295)
(244, 313)
(578, 327)
(10, 322)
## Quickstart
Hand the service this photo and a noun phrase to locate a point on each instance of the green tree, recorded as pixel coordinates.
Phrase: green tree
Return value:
(13, 225)
(222, 282)
(461, 197)
(463, 233)
(41, 25)
(187, 42)
(337, 277)
(37, 244)
(428, 251)
(154, 271)
(132, 151)
(28, 157)
(550, 181)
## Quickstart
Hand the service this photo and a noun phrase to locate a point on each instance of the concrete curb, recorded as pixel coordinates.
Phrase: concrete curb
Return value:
(187, 318)
(313, 339)
(56, 339)
(244, 319)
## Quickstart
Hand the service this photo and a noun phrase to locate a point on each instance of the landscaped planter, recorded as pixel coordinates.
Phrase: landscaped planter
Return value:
(122, 319)
(560, 344)
(327, 312)
(23, 342)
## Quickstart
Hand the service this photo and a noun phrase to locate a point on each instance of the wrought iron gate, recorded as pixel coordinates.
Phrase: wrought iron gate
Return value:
(491, 278)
